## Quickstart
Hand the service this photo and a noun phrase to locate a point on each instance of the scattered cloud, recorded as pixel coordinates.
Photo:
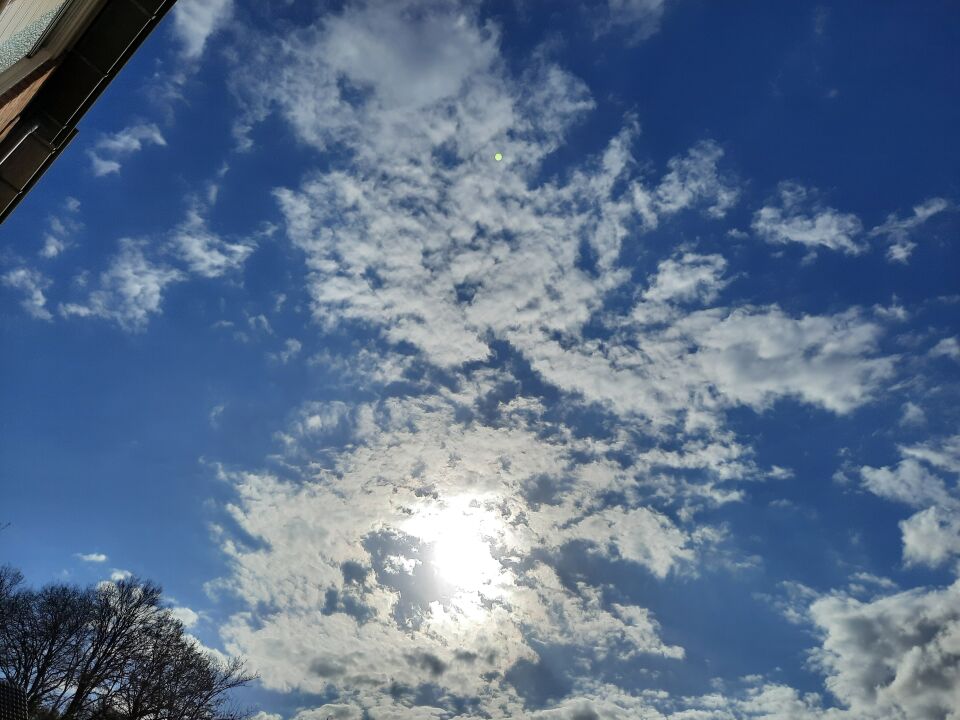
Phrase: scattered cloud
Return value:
(690, 277)
(205, 253)
(948, 347)
(898, 231)
(291, 348)
(215, 414)
(694, 179)
(909, 482)
(130, 290)
(640, 19)
(799, 218)
(449, 508)
(109, 150)
(932, 535)
(454, 500)
(912, 414)
(196, 21)
(31, 283)
(92, 557)
(61, 228)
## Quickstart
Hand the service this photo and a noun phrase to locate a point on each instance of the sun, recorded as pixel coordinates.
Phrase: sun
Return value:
(460, 532)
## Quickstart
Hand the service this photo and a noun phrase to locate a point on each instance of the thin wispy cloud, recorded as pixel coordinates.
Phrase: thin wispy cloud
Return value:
(31, 285)
(800, 219)
(898, 231)
(111, 150)
(195, 21)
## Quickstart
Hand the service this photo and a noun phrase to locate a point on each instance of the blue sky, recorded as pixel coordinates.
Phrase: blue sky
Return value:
(654, 417)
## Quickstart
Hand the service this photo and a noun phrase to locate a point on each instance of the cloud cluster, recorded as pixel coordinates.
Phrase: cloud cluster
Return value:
(529, 397)
(362, 543)
(932, 535)
(419, 538)
(130, 291)
(896, 657)
(537, 391)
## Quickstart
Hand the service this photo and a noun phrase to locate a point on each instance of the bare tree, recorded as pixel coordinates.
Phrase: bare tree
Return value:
(112, 651)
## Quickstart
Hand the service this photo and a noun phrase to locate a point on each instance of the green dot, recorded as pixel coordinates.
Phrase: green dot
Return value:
(498, 157)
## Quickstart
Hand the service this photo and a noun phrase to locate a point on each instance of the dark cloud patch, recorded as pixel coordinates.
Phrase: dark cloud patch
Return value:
(429, 662)
(354, 572)
(544, 490)
(347, 603)
(327, 667)
(585, 714)
(537, 683)
(398, 563)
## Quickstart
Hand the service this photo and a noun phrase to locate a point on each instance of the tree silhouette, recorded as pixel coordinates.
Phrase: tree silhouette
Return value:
(110, 652)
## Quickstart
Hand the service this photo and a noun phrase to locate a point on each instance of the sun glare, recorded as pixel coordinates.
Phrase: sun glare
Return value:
(460, 533)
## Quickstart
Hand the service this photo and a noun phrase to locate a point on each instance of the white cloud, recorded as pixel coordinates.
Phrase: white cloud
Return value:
(799, 219)
(205, 253)
(943, 453)
(291, 348)
(898, 656)
(690, 277)
(32, 284)
(909, 482)
(52, 246)
(216, 412)
(693, 179)
(92, 557)
(912, 414)
(196, 21)
(130, 290)
(116, 575)
(641, 18)
(932, 535)
(61, 227)
(185, 615)
(103, 167)
(639, 535)
(947, 347)
(898, 231)
(107, 152)
(754, 356)
(442, 255)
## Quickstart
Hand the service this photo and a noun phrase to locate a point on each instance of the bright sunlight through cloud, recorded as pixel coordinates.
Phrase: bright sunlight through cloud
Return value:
(460, 532)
